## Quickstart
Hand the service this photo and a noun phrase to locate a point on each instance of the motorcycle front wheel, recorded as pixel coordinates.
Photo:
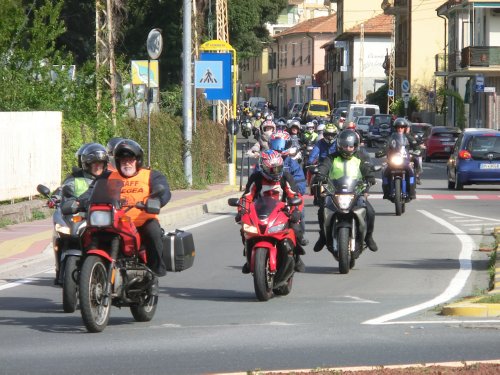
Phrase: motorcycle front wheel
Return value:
(344, 252)
(70, 286)
(262, 278)
(94, 305)
(397, 197)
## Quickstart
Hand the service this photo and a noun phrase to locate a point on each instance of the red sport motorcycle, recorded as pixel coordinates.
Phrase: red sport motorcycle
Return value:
(114, 270)
(269, 244)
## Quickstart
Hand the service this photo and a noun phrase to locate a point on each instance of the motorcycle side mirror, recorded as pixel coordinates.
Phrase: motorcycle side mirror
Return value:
(153, 206)
(233, 202)
(296, 201)
(44, 190)
(69, 207)
(157, 191)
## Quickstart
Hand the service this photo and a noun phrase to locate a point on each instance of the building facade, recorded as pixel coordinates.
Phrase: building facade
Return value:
(470, 65)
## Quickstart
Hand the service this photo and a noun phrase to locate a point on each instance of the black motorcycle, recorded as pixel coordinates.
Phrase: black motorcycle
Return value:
(68, 226)
(398, 164)
(345, 219)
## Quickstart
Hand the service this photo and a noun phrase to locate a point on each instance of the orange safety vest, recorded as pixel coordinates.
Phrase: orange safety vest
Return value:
(134, 190)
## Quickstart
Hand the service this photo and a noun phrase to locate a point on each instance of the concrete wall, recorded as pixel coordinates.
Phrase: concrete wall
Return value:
(30, 151)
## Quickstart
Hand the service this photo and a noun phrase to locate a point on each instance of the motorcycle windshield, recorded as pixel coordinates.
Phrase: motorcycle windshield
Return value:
(398, 141)
(264, 206)
(106, 191)
(345, 184)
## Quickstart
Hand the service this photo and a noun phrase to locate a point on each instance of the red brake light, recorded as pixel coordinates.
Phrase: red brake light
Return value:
(464, 154)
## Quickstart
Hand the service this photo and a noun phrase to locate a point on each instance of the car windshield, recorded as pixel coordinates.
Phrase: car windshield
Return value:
(446, 134)
(382, 120)
(363, 120)
(318, 107)
(482, 146)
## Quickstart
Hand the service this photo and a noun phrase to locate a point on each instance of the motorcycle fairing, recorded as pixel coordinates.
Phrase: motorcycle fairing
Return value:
(272, 253)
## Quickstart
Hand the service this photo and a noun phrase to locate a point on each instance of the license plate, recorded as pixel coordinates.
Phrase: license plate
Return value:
(489, 166)
(448, 143)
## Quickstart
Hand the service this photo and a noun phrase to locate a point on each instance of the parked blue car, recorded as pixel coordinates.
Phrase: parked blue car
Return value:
(475, 159)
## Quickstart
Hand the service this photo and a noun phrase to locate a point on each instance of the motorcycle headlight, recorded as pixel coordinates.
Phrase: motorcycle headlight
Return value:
(250, 228)
(396, 159)
(343, 201)
(62, 229)
(101, 218)
(277, 228)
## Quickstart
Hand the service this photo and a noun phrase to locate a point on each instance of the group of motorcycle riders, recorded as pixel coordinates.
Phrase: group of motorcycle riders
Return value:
(283, 145)
(122, 159)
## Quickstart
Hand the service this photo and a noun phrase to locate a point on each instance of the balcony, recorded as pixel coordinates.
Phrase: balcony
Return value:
(395, 7)
(480, 57)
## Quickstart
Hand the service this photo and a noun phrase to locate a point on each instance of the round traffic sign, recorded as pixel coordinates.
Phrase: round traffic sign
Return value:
(405, 86)
(154, 43)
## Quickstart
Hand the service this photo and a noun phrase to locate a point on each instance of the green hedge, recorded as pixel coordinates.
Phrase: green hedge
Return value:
(167, 147)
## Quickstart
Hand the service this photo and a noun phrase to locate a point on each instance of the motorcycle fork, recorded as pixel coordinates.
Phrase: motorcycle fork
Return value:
(115, 247)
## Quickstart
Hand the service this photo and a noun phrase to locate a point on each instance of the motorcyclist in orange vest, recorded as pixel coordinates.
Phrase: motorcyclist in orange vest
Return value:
(138, 182)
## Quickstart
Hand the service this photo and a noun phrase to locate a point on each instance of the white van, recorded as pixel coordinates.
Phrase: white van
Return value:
(355, 110)
(254, 100)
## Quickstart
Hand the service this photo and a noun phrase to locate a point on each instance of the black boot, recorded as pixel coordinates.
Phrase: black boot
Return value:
(320, 243)
(370, 242)
(299, 264)
(245, 269)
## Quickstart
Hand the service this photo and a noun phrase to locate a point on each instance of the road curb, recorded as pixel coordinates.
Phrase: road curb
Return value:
(469, 307)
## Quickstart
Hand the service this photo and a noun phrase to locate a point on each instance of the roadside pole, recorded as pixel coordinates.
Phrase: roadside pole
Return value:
(187, 108)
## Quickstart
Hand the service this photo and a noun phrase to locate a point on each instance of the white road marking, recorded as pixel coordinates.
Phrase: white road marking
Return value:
(30, 279)
(456, 284)
(462, 215)
(19, 282)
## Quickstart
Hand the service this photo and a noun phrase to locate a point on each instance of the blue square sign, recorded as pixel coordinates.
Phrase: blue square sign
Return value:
(213, 73)
(208, 75)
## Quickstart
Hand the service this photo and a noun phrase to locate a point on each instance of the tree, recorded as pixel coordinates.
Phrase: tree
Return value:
(246, 23)
(379, 97)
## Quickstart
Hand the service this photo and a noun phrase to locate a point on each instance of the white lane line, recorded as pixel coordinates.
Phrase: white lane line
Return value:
(208, 221)
(30, 279)
(456, 284)
(19, 282)
(462, 215)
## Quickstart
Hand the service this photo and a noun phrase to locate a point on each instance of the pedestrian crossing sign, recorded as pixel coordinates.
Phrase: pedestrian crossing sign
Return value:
(208, 74)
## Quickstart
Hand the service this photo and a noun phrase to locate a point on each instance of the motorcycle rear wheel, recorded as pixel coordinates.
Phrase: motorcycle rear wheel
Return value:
(397, 197)
(70, 286)
(262, 279)
(344, 251)
(93, 280)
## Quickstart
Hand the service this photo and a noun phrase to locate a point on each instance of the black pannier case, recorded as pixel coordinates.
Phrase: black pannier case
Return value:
(178, 250)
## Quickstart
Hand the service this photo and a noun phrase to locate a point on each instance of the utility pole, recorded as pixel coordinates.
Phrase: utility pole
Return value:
(105, 53)
(187, 93)
(361, 75)
(392, 56)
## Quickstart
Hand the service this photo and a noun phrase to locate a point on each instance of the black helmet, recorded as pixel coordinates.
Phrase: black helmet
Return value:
(128, 148)
(79, 152)
(347, 138)
(112, 143)
(94, 152)
(400, 122)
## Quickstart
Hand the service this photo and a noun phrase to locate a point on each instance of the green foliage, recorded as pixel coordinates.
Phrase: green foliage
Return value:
(167, 148)
(398, 107)
(246, 31)
(379, 98)
(459, 105)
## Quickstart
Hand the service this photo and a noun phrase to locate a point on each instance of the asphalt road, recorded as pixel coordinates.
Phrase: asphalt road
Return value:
(385, 311)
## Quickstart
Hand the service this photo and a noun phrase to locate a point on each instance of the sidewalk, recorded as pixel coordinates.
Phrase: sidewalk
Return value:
(19, 243)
